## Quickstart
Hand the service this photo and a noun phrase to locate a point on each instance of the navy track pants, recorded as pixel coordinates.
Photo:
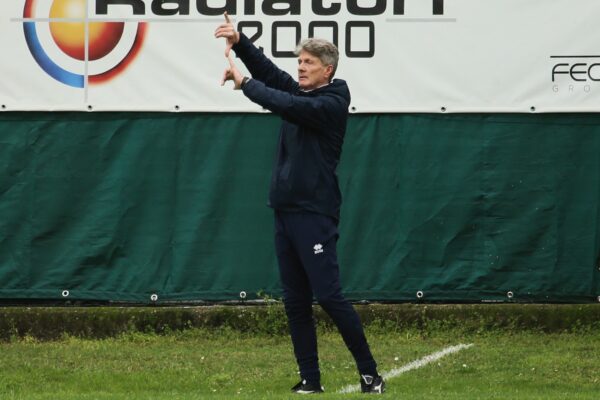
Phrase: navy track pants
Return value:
(305, 244)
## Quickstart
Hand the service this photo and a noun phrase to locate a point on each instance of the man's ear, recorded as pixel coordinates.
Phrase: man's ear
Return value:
(329, 72)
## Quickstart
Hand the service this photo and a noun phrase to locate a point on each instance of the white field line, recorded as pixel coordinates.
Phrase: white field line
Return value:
(412, 365)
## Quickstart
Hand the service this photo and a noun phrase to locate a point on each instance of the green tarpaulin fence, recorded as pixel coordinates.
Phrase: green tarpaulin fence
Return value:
(120, 206)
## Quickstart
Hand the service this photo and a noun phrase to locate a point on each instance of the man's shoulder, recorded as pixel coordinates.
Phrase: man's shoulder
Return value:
(337, 88)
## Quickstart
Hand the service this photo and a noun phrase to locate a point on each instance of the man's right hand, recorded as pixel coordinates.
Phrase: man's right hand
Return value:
(228, 32)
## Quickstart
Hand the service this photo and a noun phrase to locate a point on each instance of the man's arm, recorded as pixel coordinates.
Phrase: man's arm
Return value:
(262, 68)
(258, 64)
(321, 113)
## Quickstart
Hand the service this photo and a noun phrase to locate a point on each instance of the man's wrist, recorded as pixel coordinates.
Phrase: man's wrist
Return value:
(244, 81)
(236, 41)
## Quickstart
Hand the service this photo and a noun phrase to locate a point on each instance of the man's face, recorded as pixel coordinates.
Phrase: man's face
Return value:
(311, 71)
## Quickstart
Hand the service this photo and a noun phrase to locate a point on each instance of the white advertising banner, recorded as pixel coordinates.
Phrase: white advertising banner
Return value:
(396, 55)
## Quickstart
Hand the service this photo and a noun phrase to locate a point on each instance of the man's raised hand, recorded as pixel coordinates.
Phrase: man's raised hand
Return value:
(228, 32)
(232, 74)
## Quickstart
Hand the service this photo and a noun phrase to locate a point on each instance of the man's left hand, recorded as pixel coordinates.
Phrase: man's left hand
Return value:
(232, 74)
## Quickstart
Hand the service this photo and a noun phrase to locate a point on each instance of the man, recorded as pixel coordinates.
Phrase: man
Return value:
(305, 193)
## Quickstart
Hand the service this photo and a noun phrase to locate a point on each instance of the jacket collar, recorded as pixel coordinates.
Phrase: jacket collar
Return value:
(312, 90)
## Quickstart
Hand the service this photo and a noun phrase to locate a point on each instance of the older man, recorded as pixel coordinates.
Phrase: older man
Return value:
(305, 193)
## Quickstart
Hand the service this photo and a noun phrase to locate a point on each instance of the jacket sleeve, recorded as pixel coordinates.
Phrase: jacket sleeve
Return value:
(262, 68)
(320, 113)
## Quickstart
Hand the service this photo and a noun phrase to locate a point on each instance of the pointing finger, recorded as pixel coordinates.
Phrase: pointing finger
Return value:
(227, 19)
(231, 63)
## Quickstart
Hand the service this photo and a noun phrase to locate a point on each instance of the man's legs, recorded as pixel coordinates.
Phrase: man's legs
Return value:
(297, 296)
(314, 238)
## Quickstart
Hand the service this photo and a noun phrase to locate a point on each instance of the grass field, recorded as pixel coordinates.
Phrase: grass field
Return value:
(224, 364)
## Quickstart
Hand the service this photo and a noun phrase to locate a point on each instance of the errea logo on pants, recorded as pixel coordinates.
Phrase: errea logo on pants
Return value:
(318, 248)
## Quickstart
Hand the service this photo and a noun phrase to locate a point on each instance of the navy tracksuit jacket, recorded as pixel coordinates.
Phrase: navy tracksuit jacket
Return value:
(311, 135)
